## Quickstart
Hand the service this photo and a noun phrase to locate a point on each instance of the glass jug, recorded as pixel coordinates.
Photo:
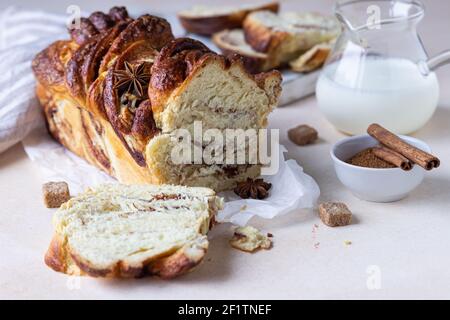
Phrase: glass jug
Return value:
(378, 71)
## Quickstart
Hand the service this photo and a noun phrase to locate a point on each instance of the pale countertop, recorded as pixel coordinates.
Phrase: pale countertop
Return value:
(398, 250)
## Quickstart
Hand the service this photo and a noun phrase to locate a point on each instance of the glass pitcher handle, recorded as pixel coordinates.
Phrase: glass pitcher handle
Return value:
(435, 62)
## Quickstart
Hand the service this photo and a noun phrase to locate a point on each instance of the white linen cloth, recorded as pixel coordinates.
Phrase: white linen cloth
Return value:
(23, 34)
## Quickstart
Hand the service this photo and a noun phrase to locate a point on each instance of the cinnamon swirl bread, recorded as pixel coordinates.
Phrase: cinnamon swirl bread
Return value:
(118, 90)
(285, 36)
(118, 231)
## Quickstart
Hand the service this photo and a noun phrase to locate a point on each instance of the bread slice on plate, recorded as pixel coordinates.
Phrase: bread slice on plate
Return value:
(232, 42)
(120, 231)
(285, 36)
(207, 20)
(312, 59)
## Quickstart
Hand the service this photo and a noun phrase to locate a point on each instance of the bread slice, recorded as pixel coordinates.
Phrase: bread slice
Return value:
(312, 59)
(284, 37)
(207, 20)
(232, 42)
(132, 231)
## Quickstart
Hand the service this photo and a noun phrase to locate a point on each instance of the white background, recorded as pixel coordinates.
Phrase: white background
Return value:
(402, 249)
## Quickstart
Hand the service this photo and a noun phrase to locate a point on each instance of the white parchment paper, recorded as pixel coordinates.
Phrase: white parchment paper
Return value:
(291, 188)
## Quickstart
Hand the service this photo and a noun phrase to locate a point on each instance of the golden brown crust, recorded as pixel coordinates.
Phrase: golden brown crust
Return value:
(101, 21)
(264, 80)
(94, 100)
(138, 43)
(172, 66)
(119, 14)
(258, 37)
(60, 258)
(312, 59)
(254, 62)
(123, 119)
(84, 32)
(251, 64)
(86, 269)
(211, 24)
(97, 23)
(65, 122)
(77, 129)
(144, 126)
(67, 66)
(55, 257)
(49, 65)
(86, 110)
(93, 132)
(82, 68)
(74, 76)
(207, 26)
(173, 265)
(182, 59)
(154, 30)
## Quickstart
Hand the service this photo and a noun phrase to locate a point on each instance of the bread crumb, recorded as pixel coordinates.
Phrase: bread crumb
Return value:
(250, 239)
(55, 194)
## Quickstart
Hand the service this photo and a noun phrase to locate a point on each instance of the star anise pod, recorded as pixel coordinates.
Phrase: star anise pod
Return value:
(255, 189)
(134, 78)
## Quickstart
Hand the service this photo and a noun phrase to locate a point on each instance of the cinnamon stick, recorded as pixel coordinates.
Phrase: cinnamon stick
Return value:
(393, 142)
(393, 157)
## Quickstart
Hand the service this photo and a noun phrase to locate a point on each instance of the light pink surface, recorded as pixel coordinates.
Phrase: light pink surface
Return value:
(406, 244)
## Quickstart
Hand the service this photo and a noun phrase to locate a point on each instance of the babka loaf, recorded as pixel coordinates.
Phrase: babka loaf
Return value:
(118, 90)
(124, 231)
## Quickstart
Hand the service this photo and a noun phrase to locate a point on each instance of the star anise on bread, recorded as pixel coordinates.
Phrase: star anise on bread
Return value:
(134, 78)
(255, 189)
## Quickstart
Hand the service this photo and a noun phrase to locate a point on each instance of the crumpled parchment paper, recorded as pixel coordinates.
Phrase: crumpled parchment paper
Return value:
(291, 188)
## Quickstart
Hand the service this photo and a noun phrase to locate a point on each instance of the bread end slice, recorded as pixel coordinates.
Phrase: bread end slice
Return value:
(232, 42)
(312, 59)
(204, 20)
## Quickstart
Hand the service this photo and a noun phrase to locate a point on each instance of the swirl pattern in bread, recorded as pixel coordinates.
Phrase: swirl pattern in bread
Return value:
(127, 133)
(119, 231)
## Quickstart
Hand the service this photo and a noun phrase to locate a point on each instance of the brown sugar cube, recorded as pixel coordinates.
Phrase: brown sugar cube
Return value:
(55, 194)
(303, 135)
(335, 214)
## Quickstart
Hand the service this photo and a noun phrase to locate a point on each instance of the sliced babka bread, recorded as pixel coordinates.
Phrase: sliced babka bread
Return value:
(116, 230)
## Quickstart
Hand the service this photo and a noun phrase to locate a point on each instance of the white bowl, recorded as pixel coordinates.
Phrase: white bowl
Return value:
(377, 185)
